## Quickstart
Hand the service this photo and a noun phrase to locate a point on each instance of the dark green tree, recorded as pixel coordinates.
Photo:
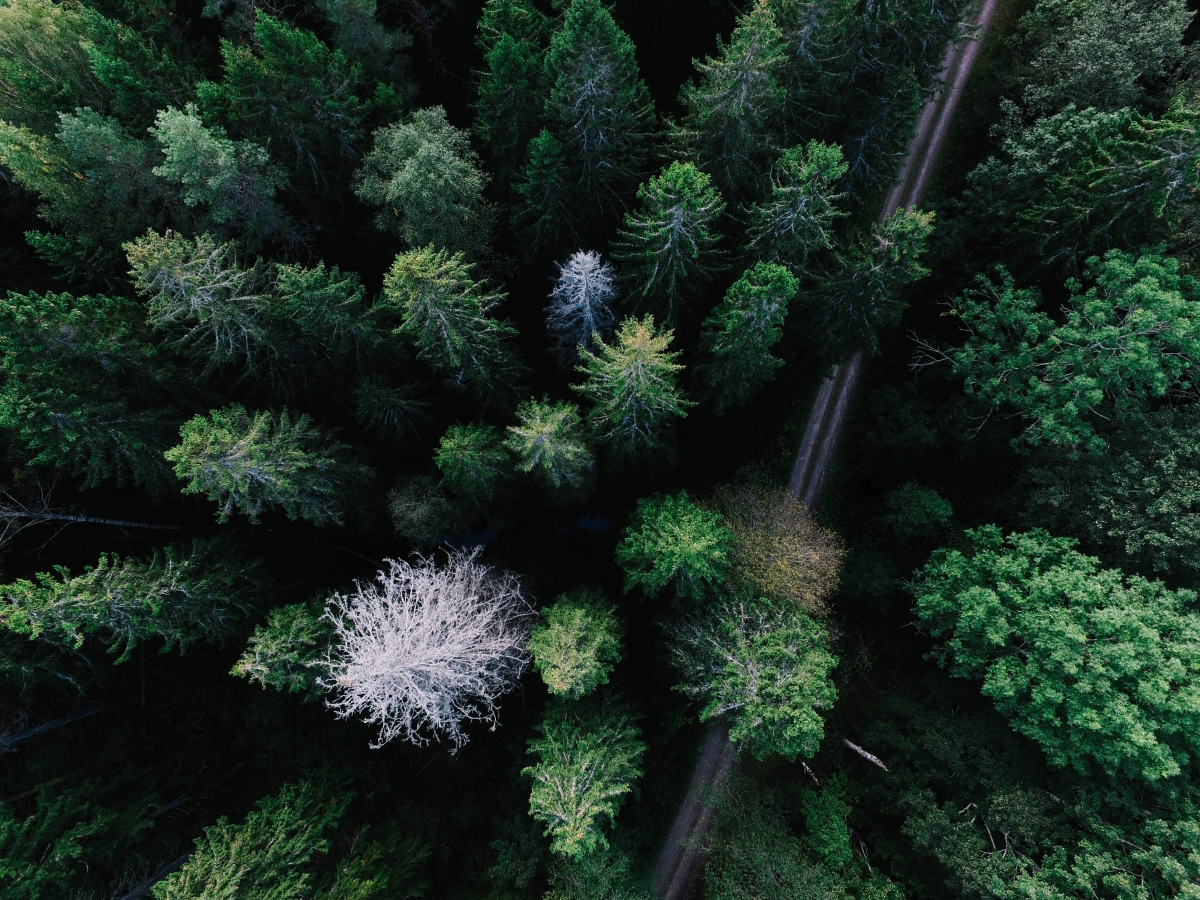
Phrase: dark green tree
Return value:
(473, 461)
(739, 333)
(290, 652)
(546, 212)
(797, 219)
(667, 249)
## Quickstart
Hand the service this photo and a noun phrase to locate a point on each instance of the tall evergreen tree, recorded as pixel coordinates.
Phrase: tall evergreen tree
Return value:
(632, 389)
(473, 461)
(738, 334)
(797, 218)
(667, 249)
(447, 314)
(673, 541)
(247, 462)
(548, 442)
(732, 113)
(580, 304)
(546, 212)
(599, 110)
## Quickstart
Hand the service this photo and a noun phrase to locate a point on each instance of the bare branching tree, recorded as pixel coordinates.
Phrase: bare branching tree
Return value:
(425, 649)
(581, 303)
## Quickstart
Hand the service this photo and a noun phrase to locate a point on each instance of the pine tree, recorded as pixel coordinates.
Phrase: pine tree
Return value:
(268, 855)
(286, 90)
(668, 248)
(580, 304)
(632, 389)
(586, 764)
(548, 442)
(576, 643)
(473, 461)
(247, 462)
(673, 541)
(447, 314)
(236, 181)
(425, 178)
(83, 387)
(290, 653)
(732, 113)
(738, 335)
(546, 213)
(599, 110)
(797, 219)
(817, 56)
(179, 596)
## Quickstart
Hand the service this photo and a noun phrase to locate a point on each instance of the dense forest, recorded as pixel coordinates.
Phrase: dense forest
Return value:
(397, 406)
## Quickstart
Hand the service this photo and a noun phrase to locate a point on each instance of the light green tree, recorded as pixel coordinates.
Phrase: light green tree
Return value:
(667, 250)
(548, 441)
(739, 333)
(796, 219)
(732, 112)
(763, 668)
(473, 461)
(448, 315)
(631, 386)
(180, 595)
(249, 461)
(425, 179)
(576, 643)
(290, 651)
(599, 109)
(235, 180)
(1131, 336)
(672, 541)
(586, 765)
(1099, 668)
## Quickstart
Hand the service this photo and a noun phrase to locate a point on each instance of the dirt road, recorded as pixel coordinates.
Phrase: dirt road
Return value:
(682, 858)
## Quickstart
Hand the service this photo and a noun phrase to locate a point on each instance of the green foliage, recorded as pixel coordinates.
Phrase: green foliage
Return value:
(586, 765)
(246, 462)
(422, 512)
(512, 88)
(603, 874)
(668, 248)
(548, 441)
(796, 220)
(287, 90)
(425, 177)
(235, 180)
(859, 290)
(1141, 499)
(41, 854)
(762, 667)
(546, 211)
(473, 461)
(447, 314)
(180, 595)
(672, 541)
(265, 857)
(1098, 668)
(914, 510)
(825, 812)
(1129, 337)
(599, 109)
(358, 34)
(576, 643)
(731, 110)
(631, 386)
(81, 387)
(289, 653)
(739, 333)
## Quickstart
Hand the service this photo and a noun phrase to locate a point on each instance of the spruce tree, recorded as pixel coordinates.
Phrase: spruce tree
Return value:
(631, 386)
(576, 643)
(179, 596)
(599, 110)
(545, 215)
(424, 177)
(548, 442)
(473, 461)
(667, 249)
(796, 219)
(732, 113)
(580, 304)
(247, 462)
(446, 313)
(673, 541)
(738, 335)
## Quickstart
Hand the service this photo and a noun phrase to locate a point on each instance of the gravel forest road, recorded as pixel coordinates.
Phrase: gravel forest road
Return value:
(682, 858)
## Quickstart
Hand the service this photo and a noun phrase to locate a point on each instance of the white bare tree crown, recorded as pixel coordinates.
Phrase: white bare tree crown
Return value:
(581, 303)
(424, 649)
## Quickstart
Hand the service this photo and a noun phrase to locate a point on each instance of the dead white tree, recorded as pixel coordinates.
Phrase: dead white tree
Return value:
(581, 303)
(425, 649)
